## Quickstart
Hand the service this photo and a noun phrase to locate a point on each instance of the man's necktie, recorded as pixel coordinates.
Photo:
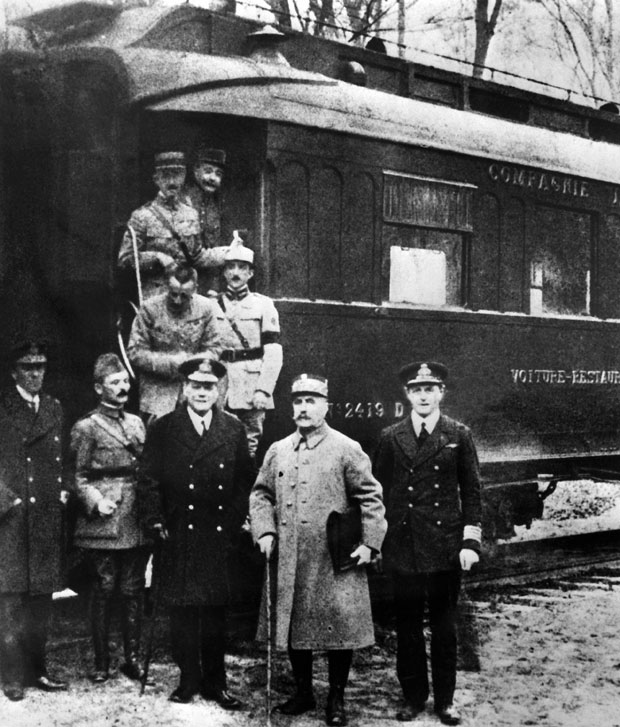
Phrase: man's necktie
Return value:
(32, 405)
(205, 429)
(423, 436)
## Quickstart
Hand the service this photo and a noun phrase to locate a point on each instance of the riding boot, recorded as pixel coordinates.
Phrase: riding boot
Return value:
(12, 666)
(339, 664)
(303, 698)
(132, 626)
(100, 624)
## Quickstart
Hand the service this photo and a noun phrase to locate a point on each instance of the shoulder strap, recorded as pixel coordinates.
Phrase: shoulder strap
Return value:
(233, 325)
(175, 235)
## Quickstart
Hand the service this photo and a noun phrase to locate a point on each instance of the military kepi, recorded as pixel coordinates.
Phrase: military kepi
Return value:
(202, 368)
(217, 157)
(170, 160)
(422, 372)
(309, 384)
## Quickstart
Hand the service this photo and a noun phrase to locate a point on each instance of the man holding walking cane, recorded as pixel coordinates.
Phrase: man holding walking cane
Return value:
(319, 603)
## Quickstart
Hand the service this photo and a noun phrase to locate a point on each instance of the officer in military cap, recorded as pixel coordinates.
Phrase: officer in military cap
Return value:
(32, 499)
(106, 445)
(165, 230)
(194, 482)
(305, 477)
(204, 194)
(250, 333)
(428, 466)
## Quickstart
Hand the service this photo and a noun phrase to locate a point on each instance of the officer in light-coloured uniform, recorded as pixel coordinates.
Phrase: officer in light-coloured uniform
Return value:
(250, 332)
(166, 229)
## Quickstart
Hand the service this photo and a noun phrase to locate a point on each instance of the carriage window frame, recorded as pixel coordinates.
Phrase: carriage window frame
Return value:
(419, 209)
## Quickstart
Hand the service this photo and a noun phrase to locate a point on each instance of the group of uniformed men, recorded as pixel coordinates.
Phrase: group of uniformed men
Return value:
(186, 483)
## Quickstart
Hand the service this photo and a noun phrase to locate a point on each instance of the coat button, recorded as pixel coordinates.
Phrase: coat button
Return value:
(190, 507)
(56, 439)
(290, 504)
(219, 487)
(190, 527)
(436, 504)
(221, 465)
(58, 459)
(219, 507)
(219, 528)
(438, 522)
(33, 500)
(436, 485)
(436, 467)
(283, 522)
(31, 479)
(410, 489)
(29, 459)
(191, 487)
(59, 479)
(191, 466)
(410, 505)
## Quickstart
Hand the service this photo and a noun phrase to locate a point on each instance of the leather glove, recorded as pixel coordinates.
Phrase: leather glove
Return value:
(468, 558)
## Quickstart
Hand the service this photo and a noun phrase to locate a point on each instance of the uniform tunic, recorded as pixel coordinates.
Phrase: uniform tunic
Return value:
(299, 484)
(213, 230)
(106, 458)
(154, 236)
(431, 493)
(161, 339)
(198, 488)
(30, 469)
(257, 319)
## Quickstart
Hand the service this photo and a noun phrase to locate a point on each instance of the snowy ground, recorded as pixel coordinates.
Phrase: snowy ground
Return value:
(553, 665)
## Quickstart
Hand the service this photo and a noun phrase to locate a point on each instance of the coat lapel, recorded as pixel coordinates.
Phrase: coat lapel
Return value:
(405, 436)
(32, 426)
(183, 430)
(215, 436)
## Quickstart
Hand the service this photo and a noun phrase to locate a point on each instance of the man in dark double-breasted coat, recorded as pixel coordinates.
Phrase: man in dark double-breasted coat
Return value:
(32, 499)
(193, 489)
(428, 467)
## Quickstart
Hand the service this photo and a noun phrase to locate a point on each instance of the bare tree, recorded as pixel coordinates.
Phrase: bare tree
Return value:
(485, 30)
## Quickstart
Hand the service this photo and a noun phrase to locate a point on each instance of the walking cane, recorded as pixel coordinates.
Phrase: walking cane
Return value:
(154, 601)
(268, 588)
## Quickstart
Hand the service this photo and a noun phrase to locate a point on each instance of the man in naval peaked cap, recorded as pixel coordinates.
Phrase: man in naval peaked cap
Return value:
(428, 467)
(193, 487)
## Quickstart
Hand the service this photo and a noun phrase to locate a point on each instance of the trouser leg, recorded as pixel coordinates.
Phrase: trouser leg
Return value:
(132, 564)
(409, 596)
(11, 649)
(105, 568)
(443, 591)
(37, 610)
(303, 698)
(185, 643)
(213, 646)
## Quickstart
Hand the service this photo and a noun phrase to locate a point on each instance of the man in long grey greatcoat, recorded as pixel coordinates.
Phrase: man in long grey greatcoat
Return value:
(304, 478)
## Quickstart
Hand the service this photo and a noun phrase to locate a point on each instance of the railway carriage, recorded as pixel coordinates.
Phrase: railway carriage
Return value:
(397, 212)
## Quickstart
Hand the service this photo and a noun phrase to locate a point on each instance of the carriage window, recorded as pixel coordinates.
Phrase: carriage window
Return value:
(426, 268)
(560, 263)
(426, 222)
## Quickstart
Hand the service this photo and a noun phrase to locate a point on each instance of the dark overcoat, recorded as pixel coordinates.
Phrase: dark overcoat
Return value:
(431, 493)
(31, 534)
(296, 490)
(198, 487)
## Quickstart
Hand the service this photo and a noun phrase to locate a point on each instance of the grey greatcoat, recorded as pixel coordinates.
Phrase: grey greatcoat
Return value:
(31, 470)
(161, 339)
(298, 486)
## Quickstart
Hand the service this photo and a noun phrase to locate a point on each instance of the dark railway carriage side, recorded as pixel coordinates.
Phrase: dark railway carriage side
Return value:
(333, 181)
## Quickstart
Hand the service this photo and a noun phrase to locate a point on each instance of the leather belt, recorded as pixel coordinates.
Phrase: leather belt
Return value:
(246, 354)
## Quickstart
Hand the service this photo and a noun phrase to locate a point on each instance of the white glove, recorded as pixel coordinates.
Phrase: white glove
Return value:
(468, 558)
